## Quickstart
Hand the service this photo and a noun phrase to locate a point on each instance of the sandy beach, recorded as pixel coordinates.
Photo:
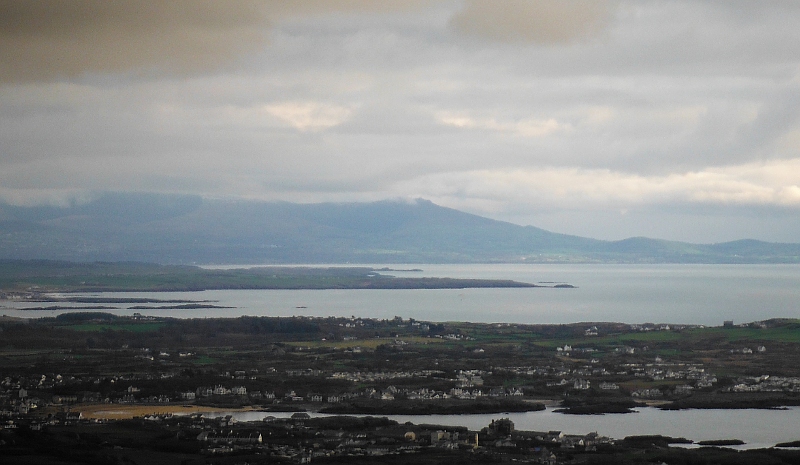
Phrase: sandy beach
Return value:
(122, 411)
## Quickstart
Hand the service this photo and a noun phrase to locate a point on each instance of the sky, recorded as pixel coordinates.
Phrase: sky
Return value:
(609, 119)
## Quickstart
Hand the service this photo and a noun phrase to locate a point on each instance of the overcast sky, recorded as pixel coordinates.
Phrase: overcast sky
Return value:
(607, 119)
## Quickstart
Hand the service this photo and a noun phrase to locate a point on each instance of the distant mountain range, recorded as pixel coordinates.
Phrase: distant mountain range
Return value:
(177, 229)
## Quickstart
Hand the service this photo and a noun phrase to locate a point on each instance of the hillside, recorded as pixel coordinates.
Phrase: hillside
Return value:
(188, 229)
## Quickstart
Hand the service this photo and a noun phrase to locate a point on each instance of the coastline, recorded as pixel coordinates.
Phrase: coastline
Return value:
(126, 412)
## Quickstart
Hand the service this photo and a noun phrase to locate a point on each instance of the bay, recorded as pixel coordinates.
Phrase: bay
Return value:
(685, 294)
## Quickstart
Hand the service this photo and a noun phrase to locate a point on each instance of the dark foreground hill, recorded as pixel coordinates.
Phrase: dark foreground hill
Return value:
(189, 229)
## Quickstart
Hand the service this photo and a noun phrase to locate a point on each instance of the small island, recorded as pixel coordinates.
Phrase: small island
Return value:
(721, 442)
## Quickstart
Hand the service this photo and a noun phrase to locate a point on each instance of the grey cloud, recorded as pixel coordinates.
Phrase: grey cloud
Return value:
(365, 100)
(54, 39)
(44, 40)
(776, 116)
(539, 21)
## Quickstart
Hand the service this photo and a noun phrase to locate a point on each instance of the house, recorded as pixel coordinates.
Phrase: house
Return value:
(376, 450)
(69, 417)
(683, 389)
(502, 426)
(546, 457)
(89, 396)
(228, 420)
(439, 435)
(220, 390)
(647, 393)
(581, 384)
(210, 437)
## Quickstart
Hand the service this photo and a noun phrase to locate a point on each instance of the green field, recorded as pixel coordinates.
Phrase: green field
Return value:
(122, 326)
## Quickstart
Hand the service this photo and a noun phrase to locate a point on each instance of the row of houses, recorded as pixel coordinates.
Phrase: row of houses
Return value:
(767, 383)
(218, 390)
(748, 351)
(367, 376)
(308, 443)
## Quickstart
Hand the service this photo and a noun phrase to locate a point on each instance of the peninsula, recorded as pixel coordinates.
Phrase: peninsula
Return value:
(43, 276)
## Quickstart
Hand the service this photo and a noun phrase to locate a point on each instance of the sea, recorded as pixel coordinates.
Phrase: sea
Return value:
(675, 294)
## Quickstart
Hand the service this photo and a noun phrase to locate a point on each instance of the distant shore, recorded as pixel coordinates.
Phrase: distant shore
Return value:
(35, 281)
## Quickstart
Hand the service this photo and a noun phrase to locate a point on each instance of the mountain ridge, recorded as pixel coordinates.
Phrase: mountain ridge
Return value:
(185, 229)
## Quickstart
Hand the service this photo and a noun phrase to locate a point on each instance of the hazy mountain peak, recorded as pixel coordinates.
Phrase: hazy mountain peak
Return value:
(190, 229)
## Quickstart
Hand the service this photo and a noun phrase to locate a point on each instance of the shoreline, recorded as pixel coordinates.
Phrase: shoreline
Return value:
(126, 412)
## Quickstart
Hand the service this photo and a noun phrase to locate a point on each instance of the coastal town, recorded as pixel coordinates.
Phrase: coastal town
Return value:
(304, 374)
(415, 232)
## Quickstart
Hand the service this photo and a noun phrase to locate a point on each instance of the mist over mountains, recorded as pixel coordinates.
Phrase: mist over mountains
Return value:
(190, 229)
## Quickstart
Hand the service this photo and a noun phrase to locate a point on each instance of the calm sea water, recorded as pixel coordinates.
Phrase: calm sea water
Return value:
(688, 294)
